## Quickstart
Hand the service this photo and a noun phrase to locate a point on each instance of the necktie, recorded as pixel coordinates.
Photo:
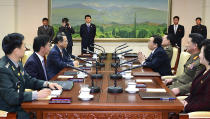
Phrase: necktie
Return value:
(88, 28)
(175, 29)
(45, 73)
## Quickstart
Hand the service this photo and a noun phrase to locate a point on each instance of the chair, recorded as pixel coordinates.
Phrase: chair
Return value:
(26, 56)
(175, 59)
(184, 56)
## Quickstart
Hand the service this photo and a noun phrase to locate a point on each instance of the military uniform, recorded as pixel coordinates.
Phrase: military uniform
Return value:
(13, 82)
(169, 51)
(191, 68)
(201, 29)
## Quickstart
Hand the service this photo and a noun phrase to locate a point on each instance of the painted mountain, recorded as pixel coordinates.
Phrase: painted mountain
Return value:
(114, 18)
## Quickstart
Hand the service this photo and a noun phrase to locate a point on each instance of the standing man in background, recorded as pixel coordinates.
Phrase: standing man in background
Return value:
(68, 30)
(198, 28)
(46, 29)
(178, 32)
(87, 33)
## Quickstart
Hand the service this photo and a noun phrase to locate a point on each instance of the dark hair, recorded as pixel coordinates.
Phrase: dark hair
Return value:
(65, 20)
(176, 17)
(12, 41)
(40, 41)
(197, 39)
(87, 16)
(198, 18)
(206, 45)
(59, 37)
(45, 19)
(157, 40)
(170, 37)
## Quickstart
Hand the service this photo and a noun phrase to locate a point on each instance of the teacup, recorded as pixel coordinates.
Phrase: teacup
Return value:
(84, 91)
(81, 75)
(131, 85)
(95, 56)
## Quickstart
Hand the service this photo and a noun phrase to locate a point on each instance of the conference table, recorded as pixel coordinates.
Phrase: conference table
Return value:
(107, 105)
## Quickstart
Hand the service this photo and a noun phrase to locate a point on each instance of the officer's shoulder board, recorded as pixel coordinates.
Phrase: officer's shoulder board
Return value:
(195, 58)
(7, 65)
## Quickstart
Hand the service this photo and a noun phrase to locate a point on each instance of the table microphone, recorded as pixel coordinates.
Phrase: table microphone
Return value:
(115, 88)
(104, 53)
(114, 55)
(118, 65)
(93, 89)
(75, 57)
(115, 59)
(102, 56)
(100, 63)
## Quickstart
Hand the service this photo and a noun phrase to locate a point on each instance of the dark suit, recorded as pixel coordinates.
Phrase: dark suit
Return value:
(201, 29)
(68, 32)
(177, 37)
(199, 98)
(49, 31)
(159, 62)
(13, 82)
(87, 34)
(56, 62)
(34, 67)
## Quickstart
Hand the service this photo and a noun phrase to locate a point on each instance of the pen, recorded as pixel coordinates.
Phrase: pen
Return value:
(167, 98)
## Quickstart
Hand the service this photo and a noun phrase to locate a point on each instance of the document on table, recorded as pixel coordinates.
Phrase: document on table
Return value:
(64, 76)
(144, 81)
(155, 90)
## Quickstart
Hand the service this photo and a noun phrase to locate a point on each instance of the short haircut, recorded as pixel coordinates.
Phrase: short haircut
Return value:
(12, 41)
(45, 19)
(40, 41)
(65, 20)
(157, 40)
(176, 17)
(198, 18)
(59, 37)
(197, 39)
(87, 16)
(206, 45)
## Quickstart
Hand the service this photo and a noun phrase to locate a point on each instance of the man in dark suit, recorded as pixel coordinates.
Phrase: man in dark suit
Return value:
(58, 57)
(198, 28)
(158, 60)
(178, 32)
(36, 64)
(87, 33)
(14, 80)
(46, 29)
(68, 30)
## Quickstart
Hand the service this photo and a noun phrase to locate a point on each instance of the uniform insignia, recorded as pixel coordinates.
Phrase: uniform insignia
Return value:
(194, 58)
(190, 66)
(13, 68)
(7, 65)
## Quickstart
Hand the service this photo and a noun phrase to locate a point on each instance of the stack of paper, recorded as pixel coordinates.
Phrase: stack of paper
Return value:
(143, 80)
(63, 76)
(159, 90)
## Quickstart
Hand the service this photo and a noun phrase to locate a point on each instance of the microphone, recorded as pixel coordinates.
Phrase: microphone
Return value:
(114, 55)
(102, 56)
(97, 63)
(75, 57)
(104, 53)
(115, 61)
(120, 46)
(115, 88)
(93, 89)
(117, 64)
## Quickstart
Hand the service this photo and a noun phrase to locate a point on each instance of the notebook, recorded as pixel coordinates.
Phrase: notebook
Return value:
(67, 85)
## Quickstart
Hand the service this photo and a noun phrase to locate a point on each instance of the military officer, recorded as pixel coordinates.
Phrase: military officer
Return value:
(181, 84)
(14, 80)
(199, 28)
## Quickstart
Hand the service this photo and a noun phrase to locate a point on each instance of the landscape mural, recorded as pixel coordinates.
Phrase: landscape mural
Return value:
(114, 18)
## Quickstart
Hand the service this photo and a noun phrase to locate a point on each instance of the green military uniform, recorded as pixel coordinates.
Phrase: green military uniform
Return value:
(191, 68)
(169, 51)
(13, 81)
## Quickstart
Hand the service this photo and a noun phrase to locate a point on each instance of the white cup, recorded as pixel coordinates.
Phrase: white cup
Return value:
(84, 91)
(95, 56)
(89, 64)
(81, 75)
(131, 84)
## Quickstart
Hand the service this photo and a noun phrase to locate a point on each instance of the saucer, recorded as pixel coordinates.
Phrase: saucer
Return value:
(133, 90)
(85, 98)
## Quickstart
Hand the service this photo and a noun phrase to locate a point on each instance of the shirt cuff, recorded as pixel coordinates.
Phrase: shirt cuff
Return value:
(34, 95)
(46, 84)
